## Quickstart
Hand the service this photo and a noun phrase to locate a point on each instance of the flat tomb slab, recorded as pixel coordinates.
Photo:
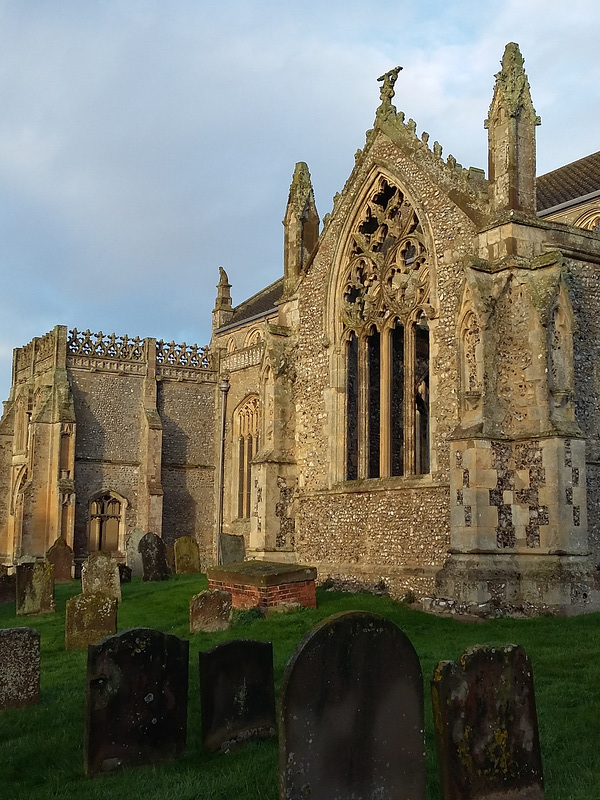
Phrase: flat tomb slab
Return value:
(265, 583)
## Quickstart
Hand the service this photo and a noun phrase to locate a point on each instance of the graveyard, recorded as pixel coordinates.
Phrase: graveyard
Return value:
(42, 744)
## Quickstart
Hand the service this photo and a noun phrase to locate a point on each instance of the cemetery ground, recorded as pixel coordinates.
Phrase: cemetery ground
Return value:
(41, 746)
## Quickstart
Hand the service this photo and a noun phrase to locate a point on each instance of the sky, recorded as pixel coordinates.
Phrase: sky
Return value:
(144, 144)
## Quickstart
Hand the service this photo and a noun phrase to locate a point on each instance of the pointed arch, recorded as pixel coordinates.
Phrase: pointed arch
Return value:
(106, 526)
(246, 433)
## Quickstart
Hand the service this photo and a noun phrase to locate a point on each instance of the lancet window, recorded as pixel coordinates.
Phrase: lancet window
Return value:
(246, 426)
(105, 523)
(385, 315)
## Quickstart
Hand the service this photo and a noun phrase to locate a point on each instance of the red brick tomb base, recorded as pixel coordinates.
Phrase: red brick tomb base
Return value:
(266, 584)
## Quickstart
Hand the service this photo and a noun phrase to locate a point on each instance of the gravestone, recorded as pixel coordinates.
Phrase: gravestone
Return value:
(125, 573)
(210, 611)
(486, 726)
(100, 574)
(34, 589)
(233, 548)
(19, 667)
(89, 618)
(170, 556)
(8, 588)
(187, 556)
(61, 556)
(237, 693)
(351, 716)
(136, 700)
(154, 558)
(132, 553)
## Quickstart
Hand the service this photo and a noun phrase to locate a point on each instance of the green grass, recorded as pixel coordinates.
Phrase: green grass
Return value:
(41, 746)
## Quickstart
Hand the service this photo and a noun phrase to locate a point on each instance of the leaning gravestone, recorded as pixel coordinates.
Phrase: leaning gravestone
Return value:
(486, 726)
(154, 558)
(351, 716)
(89, 618)
(132, 553)
(237, 693)
(35, 589)
(61, 556)
(19, 667)
(187, 556)
(100, 573)
(136, 700)
(210, 611)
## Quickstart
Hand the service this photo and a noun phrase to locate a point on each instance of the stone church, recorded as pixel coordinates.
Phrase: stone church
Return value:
(415, 401)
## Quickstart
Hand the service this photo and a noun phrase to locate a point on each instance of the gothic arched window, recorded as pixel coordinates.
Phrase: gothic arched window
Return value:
(385, 311)
(105, 523)
(246, 429)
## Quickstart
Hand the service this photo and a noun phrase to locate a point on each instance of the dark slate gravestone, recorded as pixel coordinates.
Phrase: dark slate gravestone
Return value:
(61, 556)
(136, 700)
(125, 573)
(237, 693)
(351, 716)
(19, 667)
(210, 611)
(89, 618)
(8, 588)
(486, 726)
(154, 558)
(100, 574)
(187, 556)
(35, 589)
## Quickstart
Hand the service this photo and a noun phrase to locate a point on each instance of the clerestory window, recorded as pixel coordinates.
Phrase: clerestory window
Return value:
(385, 315)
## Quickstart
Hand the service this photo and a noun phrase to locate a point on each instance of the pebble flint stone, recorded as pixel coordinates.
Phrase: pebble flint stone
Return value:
(100, 573)
(351, 715)
(237, 693)
(19, 667)
(486, 726)
(35, 589)
(136, 700)
(154, 558)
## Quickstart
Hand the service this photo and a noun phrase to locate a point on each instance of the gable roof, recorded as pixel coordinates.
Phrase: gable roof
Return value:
(259, 305)
(568, 183)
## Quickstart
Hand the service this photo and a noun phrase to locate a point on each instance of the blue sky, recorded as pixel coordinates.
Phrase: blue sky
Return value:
(144, 143)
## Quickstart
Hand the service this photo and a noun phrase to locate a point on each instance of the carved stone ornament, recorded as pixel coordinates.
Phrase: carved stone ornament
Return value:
(388, 271)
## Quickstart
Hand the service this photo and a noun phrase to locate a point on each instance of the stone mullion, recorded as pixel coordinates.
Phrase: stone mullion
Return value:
(409, 400)
(363, 407)
(385, 395)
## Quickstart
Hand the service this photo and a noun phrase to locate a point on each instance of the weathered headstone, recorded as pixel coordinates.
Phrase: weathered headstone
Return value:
(8, 588)
(61, 556)
(170, 556)
(89, 618)
(132, 554)
(19, 667)
(100, 573)
(486, 726)
(136, 700)
(237, 693)
(210, 611)
(35, 589)
(233, 548)
(351, 717)
(187, 556)
(154, 558)
(124, 573)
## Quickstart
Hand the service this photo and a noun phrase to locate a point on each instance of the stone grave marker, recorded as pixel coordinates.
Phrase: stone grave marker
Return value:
(125, 573)
(34, 589)
(8, 588)
(154, 558)
(233, 548)
(89, 618)
(100, 573)
(170, 556)
(61, 556)
(210, 611)
(19, 667)
(132, 554)
(351, 715)
(237, 693)
(187, 556)
(486, 726)
(136, 700)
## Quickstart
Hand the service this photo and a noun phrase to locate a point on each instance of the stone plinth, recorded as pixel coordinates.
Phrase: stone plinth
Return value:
(266, 584)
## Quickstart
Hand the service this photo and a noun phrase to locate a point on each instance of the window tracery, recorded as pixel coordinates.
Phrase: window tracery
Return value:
(105, 523)
(385, 308)
(247, 432)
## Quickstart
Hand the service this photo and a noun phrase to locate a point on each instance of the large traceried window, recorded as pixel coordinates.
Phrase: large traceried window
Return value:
(105, 523)
(246, 428)
(385, 314)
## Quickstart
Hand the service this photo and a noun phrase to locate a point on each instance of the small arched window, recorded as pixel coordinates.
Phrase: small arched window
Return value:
(105, 523)
(246, 428)
(253, 338)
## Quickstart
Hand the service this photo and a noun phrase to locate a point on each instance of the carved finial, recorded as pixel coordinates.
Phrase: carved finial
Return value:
(386, 92)
(223, 279)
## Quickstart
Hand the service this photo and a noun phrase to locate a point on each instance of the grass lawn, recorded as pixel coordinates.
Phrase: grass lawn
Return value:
(41, 746)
